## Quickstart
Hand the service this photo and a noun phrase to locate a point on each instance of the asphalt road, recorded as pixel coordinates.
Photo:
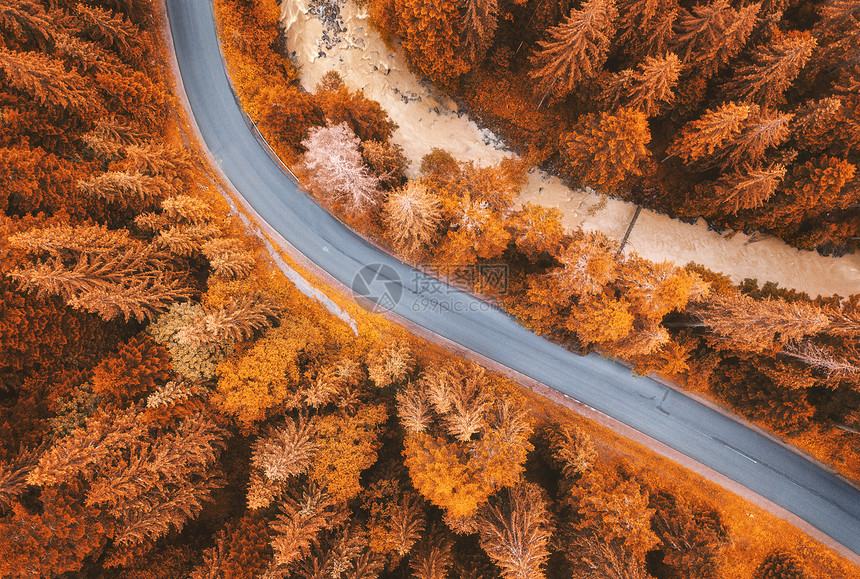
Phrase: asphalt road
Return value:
(695, 430)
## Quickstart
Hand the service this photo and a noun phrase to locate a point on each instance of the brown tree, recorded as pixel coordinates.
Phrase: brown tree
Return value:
(47, 81)
(646, 89)
(432, 557)
(412, 217)
(607, 148)
(747, 187)
(754, 325)
(780, 564)
(430, 39)
(645, 26)
(515, 532)
(575, 50)
(699, 139)
(774, 68)
(479, 25)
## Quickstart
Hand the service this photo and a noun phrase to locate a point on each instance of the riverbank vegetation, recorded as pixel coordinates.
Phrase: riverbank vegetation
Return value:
(172, 406)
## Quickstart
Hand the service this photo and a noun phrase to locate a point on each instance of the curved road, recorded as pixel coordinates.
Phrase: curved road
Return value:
(717, 441)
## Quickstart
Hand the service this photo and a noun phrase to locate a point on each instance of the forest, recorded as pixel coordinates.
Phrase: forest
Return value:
(745, 113)
(171, 406)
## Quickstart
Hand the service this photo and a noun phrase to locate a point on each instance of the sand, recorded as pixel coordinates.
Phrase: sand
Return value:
(426, 118)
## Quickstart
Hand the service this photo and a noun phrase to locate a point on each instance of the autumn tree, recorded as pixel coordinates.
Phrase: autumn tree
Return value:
(588, 264)
(699, 139)
(646, 26)
(575, 49)
(747, 187)
(432, 557)
(692, 536)
(47, 81)
(364, 117)
(136, 367)
(390, 364)
(337, 173)
(607, 148)
(431, 40)
(26, 24)
(303, 516)
(537, 230)
(709, 35)
(774, 68)
(515, 532)
(754, 324)
(614, 509)
(386, 161)
(413, 217)
(131, 279)
(647, 89)
(780, 564)
(479, 25)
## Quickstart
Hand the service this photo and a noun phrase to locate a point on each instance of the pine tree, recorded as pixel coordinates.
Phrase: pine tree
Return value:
(747, 187)
(459, 393)
(515, 532)
(112, 31)
(227, 258)
(699, 32)
(412, 217)
(386, 161)
(27, 23)
(780, 564)
(760, 132)
(46, 80)
(813, 125)
(479, 25)
(774, 68)
(126, 189)
(647, 89)
(607, 148)
(645, 27)
(406, 523)
(285, 451)
(575, 50)
(136, 367)
(754, 325)
(712, 34)
(303, 516)
(692, 536)
(573, 450)
(430, 39)
(699, 139)
(234, 321)
(390, 364)
(433, 556)
(413, 408)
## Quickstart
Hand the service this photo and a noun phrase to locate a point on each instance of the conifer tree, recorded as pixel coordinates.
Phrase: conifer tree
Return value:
(700, 31)
(645, 26)
(111, 30)
(479, 25)
(432, 557)
(780, 564)
(413, 216)
(47, 81)
(607, 148)
(285, 451)
(761, 131)
(28, 23)
(774, 68)
(537, 230)
(747, 187)
(575, 49)
(647, 89)
(515, 533)
(699, 139)
(754, 324)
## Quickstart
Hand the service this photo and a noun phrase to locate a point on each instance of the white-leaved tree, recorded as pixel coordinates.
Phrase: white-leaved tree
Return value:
(336, 171)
